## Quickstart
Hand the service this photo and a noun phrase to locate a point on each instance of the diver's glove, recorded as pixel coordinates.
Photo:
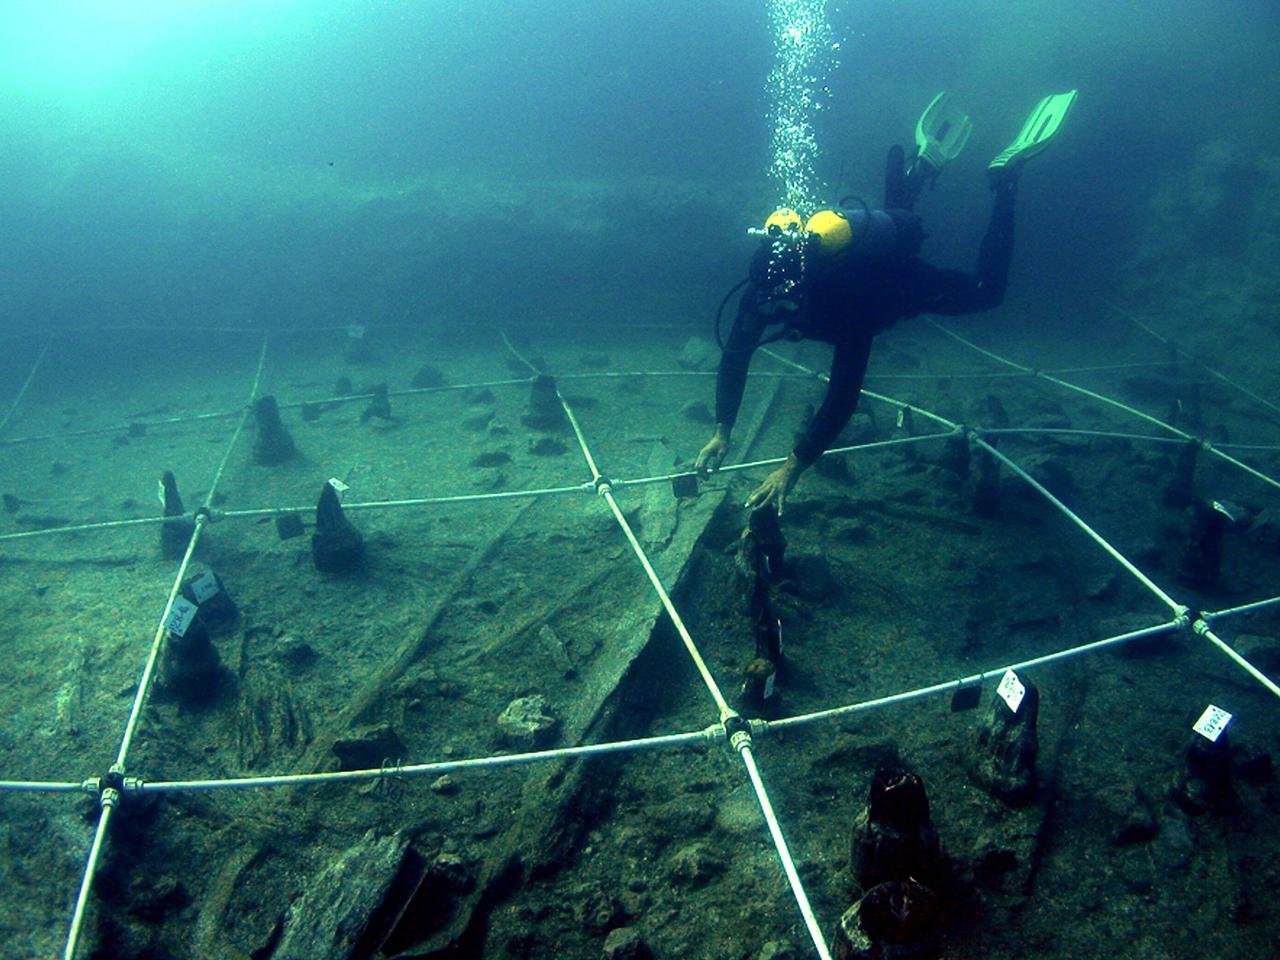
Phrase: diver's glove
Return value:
(712, 455)
(777, 485)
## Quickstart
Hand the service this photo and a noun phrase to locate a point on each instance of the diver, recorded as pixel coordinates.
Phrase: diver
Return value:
(845, 275)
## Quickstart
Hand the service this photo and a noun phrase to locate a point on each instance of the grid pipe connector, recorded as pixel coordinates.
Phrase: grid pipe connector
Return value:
(737, 731)
(602, 484)
(1184, 617)
(110, 787)
(1200, 627)
(207, 514)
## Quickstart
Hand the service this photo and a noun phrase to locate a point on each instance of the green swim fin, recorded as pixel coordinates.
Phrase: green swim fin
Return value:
(1039, 128)
(941, 133)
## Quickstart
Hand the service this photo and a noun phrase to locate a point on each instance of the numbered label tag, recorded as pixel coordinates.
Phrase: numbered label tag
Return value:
(768, 686)
(902, 417)
(180, 616)
(1211, 723)
(1011, 690)
(339, 487)
(204, 586)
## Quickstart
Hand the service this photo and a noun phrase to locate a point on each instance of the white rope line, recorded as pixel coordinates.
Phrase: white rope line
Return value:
(26, 384)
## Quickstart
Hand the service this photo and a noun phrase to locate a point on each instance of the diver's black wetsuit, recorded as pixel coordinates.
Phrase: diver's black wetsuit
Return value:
(853, 299)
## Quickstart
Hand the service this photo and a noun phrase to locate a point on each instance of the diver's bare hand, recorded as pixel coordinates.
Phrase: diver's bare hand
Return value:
(711, 455)
(776, 486)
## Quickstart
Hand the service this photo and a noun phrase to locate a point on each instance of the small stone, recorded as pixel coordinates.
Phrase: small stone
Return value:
(834, 467)
(1139, 824)
(368, 748)
(698, 412)
(698, 353)
(811, 578)
(624, 943)
(297, 654)
(855, 532)
(444, 785)
(525, 723)
(1103, 587)
(1051, 473)
(695, 866)
(451, 872)
(492, 458)
(1253, 764)
(428, 376)
(598, 910)
(479, 422)
(777, 950)
(547, 447)
(861, 428)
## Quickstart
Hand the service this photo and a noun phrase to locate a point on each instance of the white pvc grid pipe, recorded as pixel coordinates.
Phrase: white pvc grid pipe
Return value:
(110, 796)
(345, 398)
(1216, 374)
(709, 734)
(585, 487)
(26, 384)
(1201, 627)
(1112, 402)
(740, 740)
(1181, 611)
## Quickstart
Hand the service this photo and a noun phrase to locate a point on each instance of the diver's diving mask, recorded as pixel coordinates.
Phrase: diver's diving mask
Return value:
(778, 270)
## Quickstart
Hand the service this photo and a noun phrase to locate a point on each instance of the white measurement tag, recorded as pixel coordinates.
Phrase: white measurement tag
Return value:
(779, 636)
(902, 417)
(160, 491)
(1211, 723)
(1011, 690)
(181, 614)
(768, 686)
(338, 486)
(355, 331)
(204, 586)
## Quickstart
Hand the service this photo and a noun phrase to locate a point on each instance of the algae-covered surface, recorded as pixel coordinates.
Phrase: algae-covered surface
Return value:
(894, 581)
